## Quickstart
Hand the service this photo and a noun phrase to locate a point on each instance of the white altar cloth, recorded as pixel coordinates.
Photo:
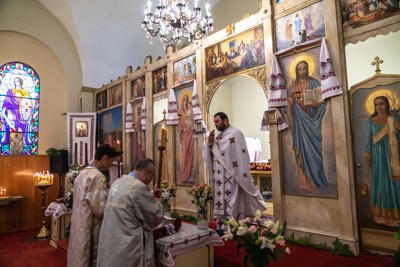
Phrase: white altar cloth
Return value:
(186, 239)
(57, 209)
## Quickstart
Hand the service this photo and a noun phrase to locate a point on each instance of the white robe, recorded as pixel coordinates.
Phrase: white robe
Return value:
(90, 195)
(235, 193)
(130, 215)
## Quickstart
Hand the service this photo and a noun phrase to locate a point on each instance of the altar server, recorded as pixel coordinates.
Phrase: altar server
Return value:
(90, 194)
(130, 215)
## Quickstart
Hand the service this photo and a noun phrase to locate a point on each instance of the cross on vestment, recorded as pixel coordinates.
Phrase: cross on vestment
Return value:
(114, 190)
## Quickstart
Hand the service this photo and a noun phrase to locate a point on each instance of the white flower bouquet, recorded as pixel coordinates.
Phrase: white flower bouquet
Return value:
(260, 238)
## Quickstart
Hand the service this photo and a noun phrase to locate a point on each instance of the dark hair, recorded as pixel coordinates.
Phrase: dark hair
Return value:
(106, 149)
(384, 98)
(222, 115)
(144, 164)
(305, 63)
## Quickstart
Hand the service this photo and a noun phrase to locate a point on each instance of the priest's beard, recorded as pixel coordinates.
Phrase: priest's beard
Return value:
(223, 127)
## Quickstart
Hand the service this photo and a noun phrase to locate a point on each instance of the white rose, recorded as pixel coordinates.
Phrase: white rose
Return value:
(242, 230)
(268, 224)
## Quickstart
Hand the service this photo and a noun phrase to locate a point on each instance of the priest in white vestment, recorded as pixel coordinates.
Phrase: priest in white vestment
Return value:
(89, 199)
(130, 215)
(228, 164)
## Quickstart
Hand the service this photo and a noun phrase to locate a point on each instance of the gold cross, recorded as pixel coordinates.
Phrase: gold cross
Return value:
(164, 112)
(377, 62)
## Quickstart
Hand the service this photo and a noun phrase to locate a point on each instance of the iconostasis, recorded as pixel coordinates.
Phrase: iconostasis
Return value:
(278, 48)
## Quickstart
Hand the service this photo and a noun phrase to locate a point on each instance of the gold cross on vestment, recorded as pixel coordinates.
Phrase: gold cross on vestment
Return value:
(376, 63)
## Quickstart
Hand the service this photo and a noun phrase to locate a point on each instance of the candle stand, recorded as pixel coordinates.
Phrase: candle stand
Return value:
(43, 181)
(44, 231)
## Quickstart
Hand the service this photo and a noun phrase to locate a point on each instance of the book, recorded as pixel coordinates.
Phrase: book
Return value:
(309, 95)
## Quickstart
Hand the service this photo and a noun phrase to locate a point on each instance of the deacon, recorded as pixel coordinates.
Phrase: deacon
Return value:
(130, 215)
(228, 165)
(90, 194)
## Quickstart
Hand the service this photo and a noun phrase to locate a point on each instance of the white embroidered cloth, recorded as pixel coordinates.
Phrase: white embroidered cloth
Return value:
(143, 117)
(129, 119)
(186, 239)
(196, 108)
(330, 85)
(277, 87)
(57, 210)
(172, 116)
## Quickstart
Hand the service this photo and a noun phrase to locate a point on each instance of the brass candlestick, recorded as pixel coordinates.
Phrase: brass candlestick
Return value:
(119, 157)
(43, 181)
(161, 148)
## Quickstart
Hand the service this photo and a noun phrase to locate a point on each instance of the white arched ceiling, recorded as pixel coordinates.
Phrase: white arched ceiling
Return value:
(108, 34)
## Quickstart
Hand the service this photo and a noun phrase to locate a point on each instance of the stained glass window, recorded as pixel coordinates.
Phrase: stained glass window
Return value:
(19, 109)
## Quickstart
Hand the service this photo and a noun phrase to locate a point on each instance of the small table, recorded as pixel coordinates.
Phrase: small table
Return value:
(6, 200)
(188, 247)
(60, 220)
(11, 215)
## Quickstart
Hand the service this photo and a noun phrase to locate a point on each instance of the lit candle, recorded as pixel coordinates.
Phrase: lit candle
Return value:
(149, 5)
(207, 7)
(163, 136)
(195, 3)
(118, 145)
(42, 178)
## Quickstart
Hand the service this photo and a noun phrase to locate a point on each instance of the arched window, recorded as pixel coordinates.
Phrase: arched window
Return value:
(19, 109)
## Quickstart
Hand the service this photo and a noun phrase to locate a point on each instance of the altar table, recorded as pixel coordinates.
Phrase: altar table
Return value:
(188, 247)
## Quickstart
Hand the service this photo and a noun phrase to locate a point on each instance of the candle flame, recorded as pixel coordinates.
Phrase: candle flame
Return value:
(43, 178)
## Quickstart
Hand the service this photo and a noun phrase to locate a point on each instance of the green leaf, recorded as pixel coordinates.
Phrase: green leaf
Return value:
(237, 249)
(342, 249)
(53, 152)
(245, 260)
(269, 257)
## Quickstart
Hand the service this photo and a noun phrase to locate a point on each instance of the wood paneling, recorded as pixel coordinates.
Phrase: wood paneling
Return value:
(16, 175)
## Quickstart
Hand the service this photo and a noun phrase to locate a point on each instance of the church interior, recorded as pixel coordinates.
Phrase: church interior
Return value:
(301, 79)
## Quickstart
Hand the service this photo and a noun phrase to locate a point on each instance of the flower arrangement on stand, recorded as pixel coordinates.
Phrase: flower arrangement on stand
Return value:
(260, 238)
(168, 192)
(201, 196)
(70, 178)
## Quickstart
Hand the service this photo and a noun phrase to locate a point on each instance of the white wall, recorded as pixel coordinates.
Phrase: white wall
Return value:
(244, 101)
(359, 57)
(221, 101)
(249, 95)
